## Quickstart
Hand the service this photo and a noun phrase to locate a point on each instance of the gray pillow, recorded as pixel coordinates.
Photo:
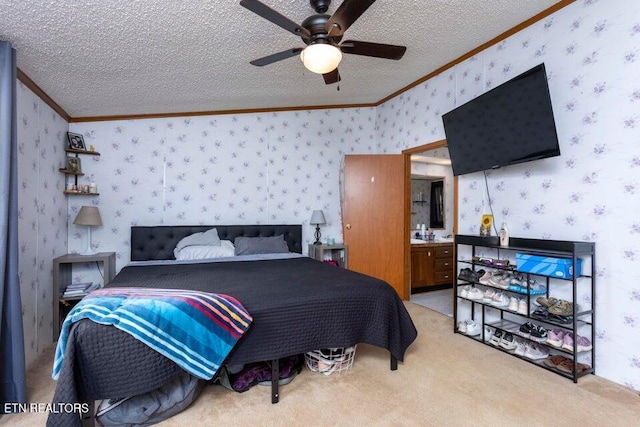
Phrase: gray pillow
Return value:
(206, 238)
(260, 245)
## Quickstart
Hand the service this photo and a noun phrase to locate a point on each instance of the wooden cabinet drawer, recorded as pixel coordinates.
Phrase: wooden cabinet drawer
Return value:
(443, 277)
(444, 251)
(445, 265)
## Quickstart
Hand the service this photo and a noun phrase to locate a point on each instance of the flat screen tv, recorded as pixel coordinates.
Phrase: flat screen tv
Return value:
(512, 123)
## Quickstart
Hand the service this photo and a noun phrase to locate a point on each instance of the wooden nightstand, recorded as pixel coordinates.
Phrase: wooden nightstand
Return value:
(62, 269)
(337, 252)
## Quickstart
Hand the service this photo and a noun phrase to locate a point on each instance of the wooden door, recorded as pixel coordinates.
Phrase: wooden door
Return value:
(373, 218)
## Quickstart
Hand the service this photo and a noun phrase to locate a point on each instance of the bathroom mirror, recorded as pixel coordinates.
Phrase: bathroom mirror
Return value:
(432, 190)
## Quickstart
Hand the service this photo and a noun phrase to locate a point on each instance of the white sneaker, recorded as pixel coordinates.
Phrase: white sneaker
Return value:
(522, 307)
(521, 347)
(462, 326)
(484, 280)
(475, 294)
(488, 333)
(535, 352)
(501, 301)
(488, 295)
(464, 292)
(508, 341)
(474, 328)
(513, 304)
(496, 338)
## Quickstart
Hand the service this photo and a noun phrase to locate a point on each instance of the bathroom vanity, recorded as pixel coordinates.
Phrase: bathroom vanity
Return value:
(431, 266)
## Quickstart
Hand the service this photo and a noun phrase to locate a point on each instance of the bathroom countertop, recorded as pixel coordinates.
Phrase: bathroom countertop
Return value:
(437, 242)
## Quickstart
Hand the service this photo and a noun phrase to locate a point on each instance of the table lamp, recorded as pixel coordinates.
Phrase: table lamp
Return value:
(88, 215)
(317, 219)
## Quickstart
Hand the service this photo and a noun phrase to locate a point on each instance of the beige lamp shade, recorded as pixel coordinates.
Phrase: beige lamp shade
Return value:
(88, 215)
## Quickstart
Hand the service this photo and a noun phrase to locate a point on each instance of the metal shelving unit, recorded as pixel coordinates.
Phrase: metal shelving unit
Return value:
(510, 321)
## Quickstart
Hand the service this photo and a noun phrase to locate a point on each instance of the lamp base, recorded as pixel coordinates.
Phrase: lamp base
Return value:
(88, 250)
(317, 236)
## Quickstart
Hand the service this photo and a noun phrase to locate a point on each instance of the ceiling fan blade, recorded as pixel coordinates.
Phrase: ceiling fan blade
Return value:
(377, 50)
(276, 57)
(332, 77)
(271, 15)
(348, 12)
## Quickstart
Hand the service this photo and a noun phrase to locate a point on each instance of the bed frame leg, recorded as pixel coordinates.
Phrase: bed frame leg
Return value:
(394, 364)
(88, 419)
(275, 380)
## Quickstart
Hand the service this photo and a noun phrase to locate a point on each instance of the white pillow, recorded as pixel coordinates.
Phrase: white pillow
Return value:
(209, 237)
(225, 249)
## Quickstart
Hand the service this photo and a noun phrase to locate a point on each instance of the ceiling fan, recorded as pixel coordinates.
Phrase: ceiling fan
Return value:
(322, 35)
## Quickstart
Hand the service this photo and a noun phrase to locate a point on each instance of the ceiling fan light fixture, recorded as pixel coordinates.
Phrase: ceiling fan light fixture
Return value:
(321, 58)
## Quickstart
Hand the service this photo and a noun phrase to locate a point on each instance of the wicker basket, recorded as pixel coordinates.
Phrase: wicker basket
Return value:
(330, 360)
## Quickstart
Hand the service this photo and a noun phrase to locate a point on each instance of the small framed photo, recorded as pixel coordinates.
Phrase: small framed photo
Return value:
(74, 165)
(76, 141)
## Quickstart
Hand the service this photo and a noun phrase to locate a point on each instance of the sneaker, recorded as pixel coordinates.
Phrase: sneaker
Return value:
(488, 296)
(496, 277)
(567, 342)
(525, 329)
(496, 338)
(476, 275)
(501, 300)
(513, 304)
(534, 288)
(464, 274)
(474, 329)
(462, 326)
(488, 333)
(514, 286)
(538, 333)
(521, 347)
(535, 352)
(475, 294)
(523, 307)
(464, 292)
(555, 337)
(484, 280)
(506, 281)
(507, 342)
(583, 343)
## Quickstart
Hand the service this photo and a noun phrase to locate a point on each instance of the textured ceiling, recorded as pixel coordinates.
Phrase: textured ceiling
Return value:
(131, 57)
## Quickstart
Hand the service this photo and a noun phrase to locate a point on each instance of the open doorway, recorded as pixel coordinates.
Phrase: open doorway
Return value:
(431, 286)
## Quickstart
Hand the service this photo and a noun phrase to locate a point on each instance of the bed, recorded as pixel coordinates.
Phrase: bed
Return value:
(297, 304)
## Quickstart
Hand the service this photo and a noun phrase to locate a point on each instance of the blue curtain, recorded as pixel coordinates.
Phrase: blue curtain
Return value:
(12, 369)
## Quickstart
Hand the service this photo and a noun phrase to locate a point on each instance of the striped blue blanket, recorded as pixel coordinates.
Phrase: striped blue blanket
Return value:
(196, 330)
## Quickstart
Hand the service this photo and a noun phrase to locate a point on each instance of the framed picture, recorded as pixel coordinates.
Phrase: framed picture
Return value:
(76, 141)
(74, 165)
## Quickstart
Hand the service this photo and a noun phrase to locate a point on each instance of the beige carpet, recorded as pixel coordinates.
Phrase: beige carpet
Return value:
(446, 380)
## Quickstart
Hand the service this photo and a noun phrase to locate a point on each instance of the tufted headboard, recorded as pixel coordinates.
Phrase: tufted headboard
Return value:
(158, 242)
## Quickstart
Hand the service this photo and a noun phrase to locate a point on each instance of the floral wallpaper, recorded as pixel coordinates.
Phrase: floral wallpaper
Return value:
(269, 168)
(42, 214)
(278, 167)
(591, 50)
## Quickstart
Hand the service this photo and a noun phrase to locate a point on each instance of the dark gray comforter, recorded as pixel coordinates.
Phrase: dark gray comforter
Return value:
(297, 305)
